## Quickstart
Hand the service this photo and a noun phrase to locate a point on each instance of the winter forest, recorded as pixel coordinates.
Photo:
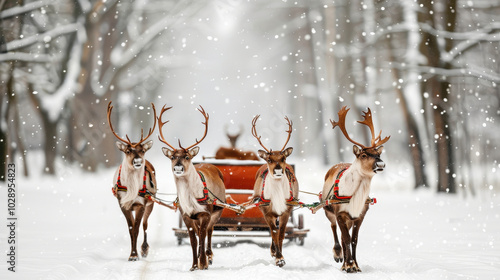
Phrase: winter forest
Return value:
(428, 70)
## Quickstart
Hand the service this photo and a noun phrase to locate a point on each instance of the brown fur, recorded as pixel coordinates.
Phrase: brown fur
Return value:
(275, 159)
(355, 182)
(234, 153)
(142, 208)
(337, 214)
(201, 222)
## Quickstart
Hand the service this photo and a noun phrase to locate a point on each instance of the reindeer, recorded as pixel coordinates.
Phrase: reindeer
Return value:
(349, 186)
(233, 152)
(275, 185)
(134, 182)
(199, 188)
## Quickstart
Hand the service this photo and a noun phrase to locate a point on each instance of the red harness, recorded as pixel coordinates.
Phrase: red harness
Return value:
(335, 188)
(120, 188)
(205, 197)
(291, 178)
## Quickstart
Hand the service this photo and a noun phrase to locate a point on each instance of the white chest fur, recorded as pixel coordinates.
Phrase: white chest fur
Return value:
(132, 179)
(354, 184)
(278, 191)
(189, 188)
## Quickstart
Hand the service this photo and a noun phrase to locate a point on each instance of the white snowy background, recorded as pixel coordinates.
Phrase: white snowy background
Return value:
(236, 60)
(71, 228)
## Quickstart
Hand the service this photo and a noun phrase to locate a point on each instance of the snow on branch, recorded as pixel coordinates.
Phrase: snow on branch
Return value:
(120, 58)
(54, 103)
(28, 57)
(23, 9)
(472, 41)
(471, 71)
(44, 37)
(471, 37)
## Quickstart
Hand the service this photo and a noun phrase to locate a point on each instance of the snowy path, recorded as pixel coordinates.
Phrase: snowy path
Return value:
(73, 229)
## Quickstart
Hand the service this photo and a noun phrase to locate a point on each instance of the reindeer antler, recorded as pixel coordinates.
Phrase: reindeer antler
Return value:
(161, 124)
(367, 120)
(254, 132)
(206, 116)
(289, 131)
(110, 108)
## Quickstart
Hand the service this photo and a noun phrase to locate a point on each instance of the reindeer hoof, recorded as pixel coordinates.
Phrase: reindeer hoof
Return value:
(133, 258)
(144, 253)
(351, 269)
(280, 262)
(337, 253)
(193, 268)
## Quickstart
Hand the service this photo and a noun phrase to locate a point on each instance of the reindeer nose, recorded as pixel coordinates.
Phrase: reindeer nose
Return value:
(379, 166)
(278, 172)
(178, 170)
(137, 162)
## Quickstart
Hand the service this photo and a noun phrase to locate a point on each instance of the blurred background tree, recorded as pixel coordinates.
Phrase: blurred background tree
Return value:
(428, 70)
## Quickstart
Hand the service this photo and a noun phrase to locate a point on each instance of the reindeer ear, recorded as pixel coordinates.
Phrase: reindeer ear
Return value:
(356, 150)
(263, 154)
(168, 153)
(379, 149)
(287, 152)
(122, 147)
(147, 145)
(194, 151)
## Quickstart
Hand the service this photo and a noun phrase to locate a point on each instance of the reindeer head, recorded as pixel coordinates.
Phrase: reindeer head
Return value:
(134, 151)
(368, 156)
(233, 138)
(181, 158)
(276, 160)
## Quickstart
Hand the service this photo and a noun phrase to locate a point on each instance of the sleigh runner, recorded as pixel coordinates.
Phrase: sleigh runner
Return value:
(239, 178)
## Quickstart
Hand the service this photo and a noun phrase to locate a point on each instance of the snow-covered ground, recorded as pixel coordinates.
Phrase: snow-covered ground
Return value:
(70, 227)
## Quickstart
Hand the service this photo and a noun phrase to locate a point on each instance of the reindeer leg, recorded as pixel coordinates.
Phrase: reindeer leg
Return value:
(275, 252)
(355, 232)
(209, 253)
(344, 226)
(130, 222)
(213, 219)
(145, 245)
(204, 219)
(190, 225)
(134, 232)
(337, 249)
(281, 236)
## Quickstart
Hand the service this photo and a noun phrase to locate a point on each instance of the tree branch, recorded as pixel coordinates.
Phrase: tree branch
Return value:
(28, 57)
(23, 9)
(44, 37)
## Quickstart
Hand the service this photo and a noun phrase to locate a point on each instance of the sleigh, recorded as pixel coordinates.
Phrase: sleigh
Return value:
(239, 178)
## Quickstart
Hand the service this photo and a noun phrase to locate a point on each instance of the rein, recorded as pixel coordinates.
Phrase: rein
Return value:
(210, 199)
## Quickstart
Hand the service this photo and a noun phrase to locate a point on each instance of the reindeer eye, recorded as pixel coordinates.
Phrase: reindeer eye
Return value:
(172, 157)
(187, 158)
(128, 152)
(269, 161)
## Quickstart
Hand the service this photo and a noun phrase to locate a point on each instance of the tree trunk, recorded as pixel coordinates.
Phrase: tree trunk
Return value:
(14, 26)
(413, 134)
(438, 89)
